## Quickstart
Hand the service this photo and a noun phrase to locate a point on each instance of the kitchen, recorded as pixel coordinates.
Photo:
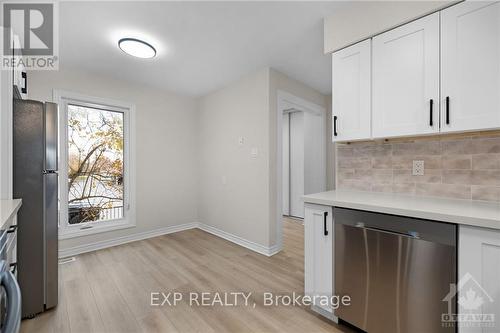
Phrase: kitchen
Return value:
(351, 183)
(413, 221)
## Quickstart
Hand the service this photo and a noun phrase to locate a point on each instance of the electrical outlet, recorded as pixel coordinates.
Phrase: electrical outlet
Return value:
(418, 168)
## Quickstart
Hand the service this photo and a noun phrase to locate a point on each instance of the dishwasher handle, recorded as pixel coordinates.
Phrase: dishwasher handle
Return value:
(410, 234)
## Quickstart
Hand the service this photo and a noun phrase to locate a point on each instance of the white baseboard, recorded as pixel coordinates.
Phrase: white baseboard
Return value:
(267, 251)
(73, 251)
(275, 249)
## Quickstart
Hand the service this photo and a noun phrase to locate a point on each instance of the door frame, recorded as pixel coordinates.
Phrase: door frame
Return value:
(286, 100)
(292, 151)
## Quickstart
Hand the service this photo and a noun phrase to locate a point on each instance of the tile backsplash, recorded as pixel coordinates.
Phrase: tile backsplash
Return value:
(465, 166)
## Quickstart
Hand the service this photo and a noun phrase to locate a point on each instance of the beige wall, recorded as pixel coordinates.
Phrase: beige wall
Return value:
(5, 133)
(241, 206)
(246, 205)
(359, 20)
(166, 148)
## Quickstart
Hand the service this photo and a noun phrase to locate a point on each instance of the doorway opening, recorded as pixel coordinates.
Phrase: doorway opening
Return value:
(301, 155)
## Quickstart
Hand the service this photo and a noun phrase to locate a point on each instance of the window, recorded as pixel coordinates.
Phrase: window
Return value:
(95, 164)
(95, 182)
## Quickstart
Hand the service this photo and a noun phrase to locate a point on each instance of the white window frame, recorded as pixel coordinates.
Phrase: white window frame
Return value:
(63, 98)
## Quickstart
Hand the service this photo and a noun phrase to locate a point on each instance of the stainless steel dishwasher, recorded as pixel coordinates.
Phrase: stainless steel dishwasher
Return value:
(397, 270)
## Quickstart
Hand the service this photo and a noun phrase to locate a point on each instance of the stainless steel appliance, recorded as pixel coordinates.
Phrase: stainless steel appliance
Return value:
(10, 300)
(10, 294)
(35, 181)
(396, 269)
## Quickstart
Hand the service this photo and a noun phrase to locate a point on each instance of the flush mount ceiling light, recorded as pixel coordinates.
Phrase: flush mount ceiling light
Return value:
(137, 48)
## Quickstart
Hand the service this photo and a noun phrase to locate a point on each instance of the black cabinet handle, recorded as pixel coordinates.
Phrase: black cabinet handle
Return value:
(12, 229)
(24, 89)
(325, 231)
(431, 113)
(334, 125)
(447, 110)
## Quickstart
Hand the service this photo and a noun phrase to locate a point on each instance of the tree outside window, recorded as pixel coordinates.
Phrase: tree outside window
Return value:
(95, 164)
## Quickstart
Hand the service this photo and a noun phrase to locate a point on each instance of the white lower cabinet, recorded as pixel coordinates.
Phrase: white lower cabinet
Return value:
(318, 258)
(479, 279)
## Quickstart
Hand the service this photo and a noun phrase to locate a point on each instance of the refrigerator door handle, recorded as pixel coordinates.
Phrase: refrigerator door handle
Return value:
(50, 134)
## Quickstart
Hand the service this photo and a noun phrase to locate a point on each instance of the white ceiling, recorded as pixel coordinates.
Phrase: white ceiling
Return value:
(202, 46)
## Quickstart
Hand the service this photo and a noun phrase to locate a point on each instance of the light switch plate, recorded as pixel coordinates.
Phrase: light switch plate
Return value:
(418, 168)
(254, 152)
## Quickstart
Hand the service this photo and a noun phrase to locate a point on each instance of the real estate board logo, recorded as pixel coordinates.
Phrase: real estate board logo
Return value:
(30, 35)
(472, 301)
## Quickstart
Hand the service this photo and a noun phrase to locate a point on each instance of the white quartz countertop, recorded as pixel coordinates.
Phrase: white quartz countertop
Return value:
(8, 208)
(474, 213)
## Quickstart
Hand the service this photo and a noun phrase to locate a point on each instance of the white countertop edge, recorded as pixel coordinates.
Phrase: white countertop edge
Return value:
(465, 212)
(8, 209)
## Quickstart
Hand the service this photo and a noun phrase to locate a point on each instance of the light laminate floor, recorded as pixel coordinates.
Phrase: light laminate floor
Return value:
(110, 290)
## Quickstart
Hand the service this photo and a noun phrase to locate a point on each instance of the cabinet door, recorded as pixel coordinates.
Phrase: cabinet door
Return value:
(470, 66)
(318, 258)
(479, 271)
(351, 93)
(406, 79)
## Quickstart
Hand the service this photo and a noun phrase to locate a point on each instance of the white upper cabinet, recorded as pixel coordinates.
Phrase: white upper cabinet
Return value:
(438, 74)
(406, 80)
(470, 66)
(351, 93)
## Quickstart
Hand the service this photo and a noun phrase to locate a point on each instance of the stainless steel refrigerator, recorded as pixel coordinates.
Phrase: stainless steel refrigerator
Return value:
(35, 182)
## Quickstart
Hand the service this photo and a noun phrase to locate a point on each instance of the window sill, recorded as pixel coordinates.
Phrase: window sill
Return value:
(73, 231)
